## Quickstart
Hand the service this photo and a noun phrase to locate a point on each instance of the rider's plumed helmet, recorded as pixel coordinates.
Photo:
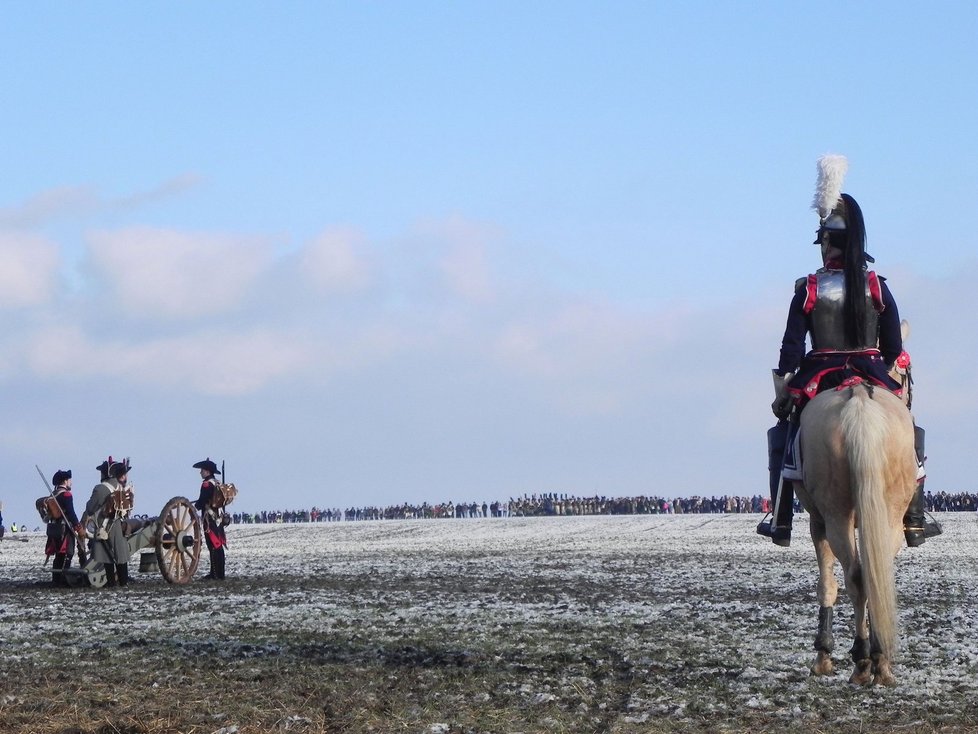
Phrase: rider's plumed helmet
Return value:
(840, 219)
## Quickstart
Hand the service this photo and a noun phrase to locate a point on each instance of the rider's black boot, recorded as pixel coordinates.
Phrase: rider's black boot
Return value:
(109, 574)
(778, 528)
(122, 571)
(916, 527)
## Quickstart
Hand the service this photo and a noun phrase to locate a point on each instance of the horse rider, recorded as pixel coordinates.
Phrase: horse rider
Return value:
(108, 544)
(60, 538)
(850, 337)
(213, 518)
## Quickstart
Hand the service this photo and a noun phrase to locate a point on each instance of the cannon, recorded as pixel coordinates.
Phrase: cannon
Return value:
(175, 535)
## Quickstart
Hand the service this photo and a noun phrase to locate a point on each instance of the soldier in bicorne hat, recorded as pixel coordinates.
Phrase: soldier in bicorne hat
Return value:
(109, 545)
(60, 539)
(852, 320)
(212, 518)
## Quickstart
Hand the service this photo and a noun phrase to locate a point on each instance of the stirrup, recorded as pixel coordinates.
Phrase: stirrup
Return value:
(779, 534)
(916, 535)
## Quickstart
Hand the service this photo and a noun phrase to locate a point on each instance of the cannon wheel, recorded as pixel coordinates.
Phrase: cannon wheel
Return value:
(178, 541)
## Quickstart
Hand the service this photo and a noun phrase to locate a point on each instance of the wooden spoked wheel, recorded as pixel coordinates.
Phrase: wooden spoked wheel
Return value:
(178, 541)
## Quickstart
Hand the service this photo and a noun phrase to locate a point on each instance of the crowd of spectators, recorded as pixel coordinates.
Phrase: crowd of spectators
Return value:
(562, 504)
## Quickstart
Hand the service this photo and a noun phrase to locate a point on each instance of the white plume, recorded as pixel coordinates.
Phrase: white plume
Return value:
(828, 188)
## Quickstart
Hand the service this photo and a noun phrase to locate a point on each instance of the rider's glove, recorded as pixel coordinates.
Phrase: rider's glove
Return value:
(781, 407)
(782, 398)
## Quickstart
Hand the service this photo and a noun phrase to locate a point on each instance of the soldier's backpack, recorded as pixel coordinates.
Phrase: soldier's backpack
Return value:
(49, 509)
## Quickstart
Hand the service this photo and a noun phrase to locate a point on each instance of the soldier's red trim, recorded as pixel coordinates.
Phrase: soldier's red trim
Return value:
(812, 295)
(875, 291)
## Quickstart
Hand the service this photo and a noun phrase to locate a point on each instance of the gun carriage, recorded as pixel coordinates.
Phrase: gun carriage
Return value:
(175, 536)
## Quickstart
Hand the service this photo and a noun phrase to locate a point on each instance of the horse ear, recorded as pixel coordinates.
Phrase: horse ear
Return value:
(905, 329)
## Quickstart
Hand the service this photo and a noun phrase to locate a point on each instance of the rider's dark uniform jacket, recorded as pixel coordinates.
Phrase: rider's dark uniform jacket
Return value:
(811, 312)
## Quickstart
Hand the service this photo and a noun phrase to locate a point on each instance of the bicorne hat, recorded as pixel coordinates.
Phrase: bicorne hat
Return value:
(60, 476)
(119, 468)
(208, 465)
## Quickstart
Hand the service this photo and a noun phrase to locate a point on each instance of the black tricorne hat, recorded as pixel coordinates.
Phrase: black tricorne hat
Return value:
(208, 465)
(119, 468)
(60, 476)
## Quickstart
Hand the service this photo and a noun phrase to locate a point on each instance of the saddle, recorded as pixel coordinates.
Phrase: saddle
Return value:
(793, 459)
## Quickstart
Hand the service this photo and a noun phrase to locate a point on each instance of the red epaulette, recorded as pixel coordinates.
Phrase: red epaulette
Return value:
(875, 291)
(812, 293)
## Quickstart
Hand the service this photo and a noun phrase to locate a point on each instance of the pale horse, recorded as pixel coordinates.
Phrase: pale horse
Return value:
(859, 475)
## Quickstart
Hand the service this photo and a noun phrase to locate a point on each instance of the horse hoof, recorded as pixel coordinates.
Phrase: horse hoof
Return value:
(884, 676)
(823, 669)
(822, 665)
(863, 674)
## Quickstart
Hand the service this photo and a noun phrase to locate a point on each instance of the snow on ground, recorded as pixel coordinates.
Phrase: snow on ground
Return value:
(692, 615)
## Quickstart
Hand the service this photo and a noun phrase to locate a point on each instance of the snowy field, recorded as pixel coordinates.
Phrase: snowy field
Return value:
(604, 624)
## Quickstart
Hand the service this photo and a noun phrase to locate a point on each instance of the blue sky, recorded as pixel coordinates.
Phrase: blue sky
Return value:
(379, 252)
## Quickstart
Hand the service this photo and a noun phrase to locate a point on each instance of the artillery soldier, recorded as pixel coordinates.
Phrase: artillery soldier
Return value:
(855, 330)
(110, 501)
(62, 526)
(210, 504)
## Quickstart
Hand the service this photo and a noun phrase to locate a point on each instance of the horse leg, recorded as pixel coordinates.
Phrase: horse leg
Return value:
(845, 543)
(863, 673)
(882, 666)
(882, 670)
(828, 591)
(862, 645)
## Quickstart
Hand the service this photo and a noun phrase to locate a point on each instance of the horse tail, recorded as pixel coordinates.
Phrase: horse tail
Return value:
(864, 430)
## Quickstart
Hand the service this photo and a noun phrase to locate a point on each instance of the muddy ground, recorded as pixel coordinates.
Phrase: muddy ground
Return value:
(606, 624)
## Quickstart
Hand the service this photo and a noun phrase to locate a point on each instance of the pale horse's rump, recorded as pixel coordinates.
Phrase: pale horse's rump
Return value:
(859, 472)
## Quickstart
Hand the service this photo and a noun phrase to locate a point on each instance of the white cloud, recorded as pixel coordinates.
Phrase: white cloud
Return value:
(66, 202)
(335, 261)
(28, 269)
(461, 252)
(466, 271)
(172, 274)
(51, 204)
(587, 356)
(211, 363)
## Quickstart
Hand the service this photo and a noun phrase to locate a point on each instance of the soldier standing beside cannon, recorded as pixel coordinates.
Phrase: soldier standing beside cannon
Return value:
(212, 515)
(109, 545)
(62, 527)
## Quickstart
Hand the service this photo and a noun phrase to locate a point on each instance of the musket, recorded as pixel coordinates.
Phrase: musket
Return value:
(82, 557)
